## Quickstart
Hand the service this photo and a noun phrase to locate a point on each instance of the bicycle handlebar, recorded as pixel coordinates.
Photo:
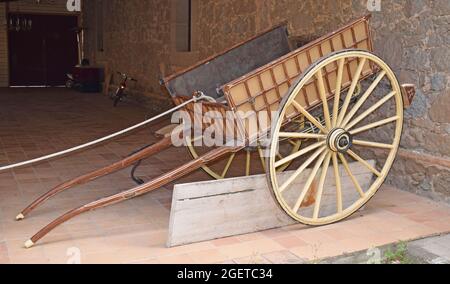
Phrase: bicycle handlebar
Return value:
(125, 76)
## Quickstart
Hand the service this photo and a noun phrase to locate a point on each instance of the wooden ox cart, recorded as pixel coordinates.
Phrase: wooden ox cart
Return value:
(327, 103)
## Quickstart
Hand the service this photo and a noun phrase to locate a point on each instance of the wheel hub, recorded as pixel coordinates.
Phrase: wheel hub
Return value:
(339, 140)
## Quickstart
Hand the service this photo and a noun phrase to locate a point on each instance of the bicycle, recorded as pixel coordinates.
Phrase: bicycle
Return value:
(120, 94)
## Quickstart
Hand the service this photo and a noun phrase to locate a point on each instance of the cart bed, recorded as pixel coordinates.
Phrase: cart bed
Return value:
(252, 77)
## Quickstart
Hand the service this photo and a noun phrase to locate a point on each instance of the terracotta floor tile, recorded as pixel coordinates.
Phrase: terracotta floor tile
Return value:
(308, 252)
(251, 237)
(4, 257)
(283, 257)
(313, 237)
(207, 256)
(237, 251)
(338, 233)
(355, 244)
(226, 241)
(328, 250)
(187, 248)
(102, 258)
(176, 259)
(442, 225)
(289, 242)
(146, 261)
(254, 259)
(275, 233)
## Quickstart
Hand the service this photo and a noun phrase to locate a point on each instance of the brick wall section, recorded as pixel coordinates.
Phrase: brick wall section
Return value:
(411, 35)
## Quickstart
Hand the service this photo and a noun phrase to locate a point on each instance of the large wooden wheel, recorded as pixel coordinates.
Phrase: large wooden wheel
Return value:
(324, 186)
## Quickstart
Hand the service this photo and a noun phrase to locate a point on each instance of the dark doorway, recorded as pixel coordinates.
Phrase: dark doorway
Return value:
(44, 54)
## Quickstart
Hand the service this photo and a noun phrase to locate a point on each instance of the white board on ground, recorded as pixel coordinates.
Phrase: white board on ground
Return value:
(216, 209)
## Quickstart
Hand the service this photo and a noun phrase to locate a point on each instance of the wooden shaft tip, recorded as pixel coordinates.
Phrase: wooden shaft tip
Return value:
(28, 244)
(20, 217)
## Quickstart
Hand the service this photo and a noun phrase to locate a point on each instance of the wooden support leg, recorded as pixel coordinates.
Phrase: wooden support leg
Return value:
(145, 153)
(137, 191)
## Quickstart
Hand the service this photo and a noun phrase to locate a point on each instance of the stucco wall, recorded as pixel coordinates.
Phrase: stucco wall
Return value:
(411, 35)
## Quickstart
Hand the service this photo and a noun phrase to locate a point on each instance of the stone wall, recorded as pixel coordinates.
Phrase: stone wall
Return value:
(136, 37)
(411, 35)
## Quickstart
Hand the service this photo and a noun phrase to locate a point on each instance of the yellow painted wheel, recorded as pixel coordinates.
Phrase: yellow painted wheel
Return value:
(343, 164)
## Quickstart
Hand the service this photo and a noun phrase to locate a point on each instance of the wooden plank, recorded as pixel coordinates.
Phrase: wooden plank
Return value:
(216, 209)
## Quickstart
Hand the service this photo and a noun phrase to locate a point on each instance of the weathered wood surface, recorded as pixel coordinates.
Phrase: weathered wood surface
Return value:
(215, 209)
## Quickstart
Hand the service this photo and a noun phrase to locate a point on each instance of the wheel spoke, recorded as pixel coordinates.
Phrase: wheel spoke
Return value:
(375, 125)
(338, 183)
(308, 183)
(298, 154)
(352, 177)
(227, 166)
(351, 90)
(337, 93)
(364, 162)
(323, 96)
(370, 110)
(261, 157)
(191, 142)
(372, 144)
(308, 116)
(247, 163)
(300, 170)
(302, 135)
(363, 99)
(323, 176)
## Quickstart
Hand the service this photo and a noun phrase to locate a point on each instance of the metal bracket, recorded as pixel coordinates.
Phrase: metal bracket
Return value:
(408, 93)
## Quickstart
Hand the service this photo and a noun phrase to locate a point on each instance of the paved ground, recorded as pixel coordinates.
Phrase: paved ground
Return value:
(36, 122)
(431, 250)
(435, 250)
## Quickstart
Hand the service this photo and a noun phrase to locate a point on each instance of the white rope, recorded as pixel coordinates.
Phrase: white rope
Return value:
(197, 97)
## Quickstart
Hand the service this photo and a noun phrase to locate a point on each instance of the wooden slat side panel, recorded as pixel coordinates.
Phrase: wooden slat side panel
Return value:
(212, 116)
(278, 76)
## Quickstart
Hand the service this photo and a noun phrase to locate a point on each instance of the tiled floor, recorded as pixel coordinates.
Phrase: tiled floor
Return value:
(36, 122)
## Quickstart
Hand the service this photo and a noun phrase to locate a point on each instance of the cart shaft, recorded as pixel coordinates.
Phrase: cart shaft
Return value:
(137, 191)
